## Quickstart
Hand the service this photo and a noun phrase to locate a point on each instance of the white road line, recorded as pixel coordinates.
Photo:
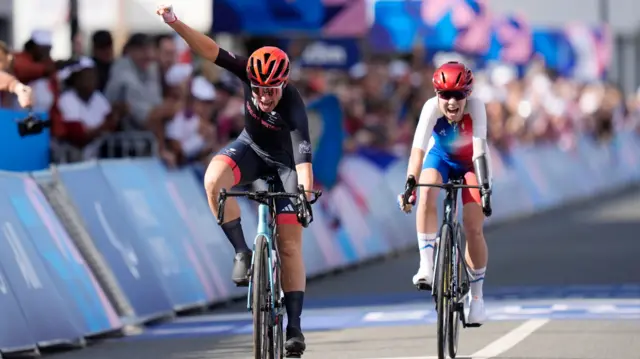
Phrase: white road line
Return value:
(510, 339)
(501, 344)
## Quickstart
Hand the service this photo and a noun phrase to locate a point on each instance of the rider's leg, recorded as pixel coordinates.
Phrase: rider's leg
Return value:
(294, 278)
(224, 172)
(476, 251)
(427, 217)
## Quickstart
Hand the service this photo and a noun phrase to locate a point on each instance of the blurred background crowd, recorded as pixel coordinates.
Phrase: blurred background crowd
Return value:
(155, 95)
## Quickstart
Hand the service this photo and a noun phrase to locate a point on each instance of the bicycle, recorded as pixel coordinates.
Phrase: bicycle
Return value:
(265, 290)
(451, 279)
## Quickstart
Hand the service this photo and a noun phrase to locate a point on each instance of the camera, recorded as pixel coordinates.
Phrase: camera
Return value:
(31, 125)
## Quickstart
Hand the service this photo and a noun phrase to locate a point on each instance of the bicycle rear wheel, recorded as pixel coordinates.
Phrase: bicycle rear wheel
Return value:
(260, 291)
(453, 325)
(443, 277)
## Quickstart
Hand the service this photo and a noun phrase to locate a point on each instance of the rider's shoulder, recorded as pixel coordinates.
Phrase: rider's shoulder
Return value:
(474, 104)
(430, 107)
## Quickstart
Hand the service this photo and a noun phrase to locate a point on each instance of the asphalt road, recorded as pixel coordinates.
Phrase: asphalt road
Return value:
(592, 245)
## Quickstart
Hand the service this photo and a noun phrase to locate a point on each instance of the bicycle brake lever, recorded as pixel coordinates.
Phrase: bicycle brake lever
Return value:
(317, 194)
(222, 198)
(408, 189)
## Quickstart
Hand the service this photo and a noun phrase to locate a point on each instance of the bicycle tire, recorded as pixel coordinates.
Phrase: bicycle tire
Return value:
(442, 307)
(453, 324)
(260, 292)
(278, 327)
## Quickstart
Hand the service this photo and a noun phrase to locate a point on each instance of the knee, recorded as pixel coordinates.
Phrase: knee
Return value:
(217, 178)
(427, 201)
(473, 231)
(290, 240)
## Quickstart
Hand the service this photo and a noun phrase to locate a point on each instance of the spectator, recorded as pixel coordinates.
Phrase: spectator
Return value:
(34, 67)
(103, 56)
(9, 83)
(167, 55)
(86, 113)
(188, 136)
(134, 81)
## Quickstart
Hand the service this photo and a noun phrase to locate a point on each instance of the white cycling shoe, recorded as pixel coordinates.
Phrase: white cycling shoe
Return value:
(424, 278)
(477, 314)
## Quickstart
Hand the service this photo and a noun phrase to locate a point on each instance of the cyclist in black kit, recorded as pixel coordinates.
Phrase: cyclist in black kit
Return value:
(275, 140)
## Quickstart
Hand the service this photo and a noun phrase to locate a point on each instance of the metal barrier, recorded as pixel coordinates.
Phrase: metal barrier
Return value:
(66, 212)
(116, 145)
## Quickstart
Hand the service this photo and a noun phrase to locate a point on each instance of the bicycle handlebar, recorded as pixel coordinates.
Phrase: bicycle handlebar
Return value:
(263, 197)
(412, 184)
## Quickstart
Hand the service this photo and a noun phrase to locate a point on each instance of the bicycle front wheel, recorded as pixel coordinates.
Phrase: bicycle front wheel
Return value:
(443, 277)
(260, 292)
(453, 324)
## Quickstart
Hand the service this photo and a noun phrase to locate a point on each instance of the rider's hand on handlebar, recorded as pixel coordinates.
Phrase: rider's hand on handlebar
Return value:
(406, 207)
(485, 192)
(409, 194)
(166, 11)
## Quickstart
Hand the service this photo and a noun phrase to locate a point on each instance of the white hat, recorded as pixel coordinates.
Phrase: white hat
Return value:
(42, 37)
(398, 68)
(178, 74)
(83, 63)
(202, 89)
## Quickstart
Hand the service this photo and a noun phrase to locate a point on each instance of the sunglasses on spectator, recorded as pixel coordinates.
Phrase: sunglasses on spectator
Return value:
(265, 90)
(448, 95)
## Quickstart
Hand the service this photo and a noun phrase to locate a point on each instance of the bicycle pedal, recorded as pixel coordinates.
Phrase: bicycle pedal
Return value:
(473, 325)
(423, 286)
(293, 355)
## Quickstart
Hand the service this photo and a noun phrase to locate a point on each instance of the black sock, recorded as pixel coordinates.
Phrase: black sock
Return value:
(293, 302)
(233, 231)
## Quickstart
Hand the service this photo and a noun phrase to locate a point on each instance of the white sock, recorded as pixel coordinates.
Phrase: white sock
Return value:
(425, 244)
(476, 277)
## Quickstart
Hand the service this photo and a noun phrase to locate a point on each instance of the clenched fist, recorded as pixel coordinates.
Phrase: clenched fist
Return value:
(166, 11)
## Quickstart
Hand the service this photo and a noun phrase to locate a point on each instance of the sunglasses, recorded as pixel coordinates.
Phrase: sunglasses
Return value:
(448, 95)
(265, 90)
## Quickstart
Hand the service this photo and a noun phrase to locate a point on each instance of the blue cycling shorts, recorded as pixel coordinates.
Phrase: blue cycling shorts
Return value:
(454, 169)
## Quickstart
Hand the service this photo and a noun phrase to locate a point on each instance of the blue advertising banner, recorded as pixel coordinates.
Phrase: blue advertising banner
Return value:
(188, 198)
(48, 314)
(65, 265)
(267, 17)
(115, 238)
(556, 50)
(15, 335)
(334, 18)
(153, 223)
(329, 53)
(17, 153)
(193, 241)
(327, 135)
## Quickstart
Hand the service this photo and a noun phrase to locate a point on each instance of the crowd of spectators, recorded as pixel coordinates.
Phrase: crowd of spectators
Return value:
(193, 109)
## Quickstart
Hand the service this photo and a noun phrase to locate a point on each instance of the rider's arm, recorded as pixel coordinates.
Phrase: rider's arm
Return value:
(481, 159)
(202, 44)
(209, 49)
(300, 139)
(424, 130)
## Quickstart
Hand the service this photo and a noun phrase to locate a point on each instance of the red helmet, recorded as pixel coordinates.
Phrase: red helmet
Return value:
(268, 66)
(453, 76)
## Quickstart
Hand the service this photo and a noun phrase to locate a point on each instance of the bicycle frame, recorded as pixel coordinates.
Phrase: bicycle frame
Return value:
(450, 219)
(267, 228)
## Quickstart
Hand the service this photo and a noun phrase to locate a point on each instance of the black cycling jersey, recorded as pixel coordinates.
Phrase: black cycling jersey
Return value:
(285, 129)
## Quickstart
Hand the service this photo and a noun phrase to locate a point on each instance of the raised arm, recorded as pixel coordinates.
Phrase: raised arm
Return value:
(198, 42)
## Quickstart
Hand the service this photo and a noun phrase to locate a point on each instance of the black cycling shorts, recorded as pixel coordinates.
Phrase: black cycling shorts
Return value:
(249, 165)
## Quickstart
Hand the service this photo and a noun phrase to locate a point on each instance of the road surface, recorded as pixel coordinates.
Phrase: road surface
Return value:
(564, 284)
